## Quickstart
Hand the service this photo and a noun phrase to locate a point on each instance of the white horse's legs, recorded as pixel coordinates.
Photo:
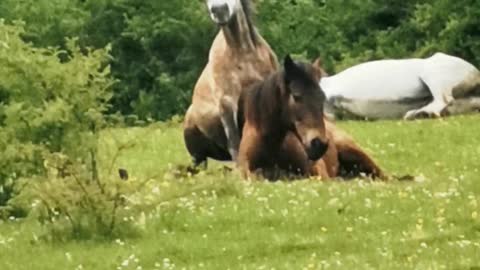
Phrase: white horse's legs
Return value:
(442, 96)
(433, 109)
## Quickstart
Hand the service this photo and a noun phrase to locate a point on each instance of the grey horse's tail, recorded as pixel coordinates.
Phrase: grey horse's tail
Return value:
(466, 96)
(470, 87)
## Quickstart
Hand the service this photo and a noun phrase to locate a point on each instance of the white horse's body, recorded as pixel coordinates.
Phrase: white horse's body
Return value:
(400, 88)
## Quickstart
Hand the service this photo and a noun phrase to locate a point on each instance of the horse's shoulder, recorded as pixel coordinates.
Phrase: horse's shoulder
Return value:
(443, 56)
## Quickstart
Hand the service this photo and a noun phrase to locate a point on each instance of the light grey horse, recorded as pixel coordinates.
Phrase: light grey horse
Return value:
(409, 88)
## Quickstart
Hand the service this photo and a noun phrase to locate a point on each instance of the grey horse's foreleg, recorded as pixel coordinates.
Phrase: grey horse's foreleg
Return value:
(434, 109)
(228, 113)
(441, 99)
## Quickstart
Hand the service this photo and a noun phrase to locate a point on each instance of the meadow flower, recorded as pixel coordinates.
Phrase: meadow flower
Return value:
(262, 199)
(68, 256)
(419, 226)
(166, 261)
(368, 203)
(464, 243)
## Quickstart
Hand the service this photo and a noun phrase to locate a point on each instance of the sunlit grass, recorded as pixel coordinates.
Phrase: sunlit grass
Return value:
(215, 220)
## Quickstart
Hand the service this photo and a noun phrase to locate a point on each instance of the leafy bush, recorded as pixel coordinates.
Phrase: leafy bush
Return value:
(70, 205)
(48, 106)
(52, 111)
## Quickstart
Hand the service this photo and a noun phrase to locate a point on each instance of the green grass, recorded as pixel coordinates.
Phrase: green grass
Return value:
(217, 221)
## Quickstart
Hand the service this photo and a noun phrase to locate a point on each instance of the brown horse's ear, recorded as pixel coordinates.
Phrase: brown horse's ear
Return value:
(288, 64)
(318, 63)
(291, 69)
(317, 68)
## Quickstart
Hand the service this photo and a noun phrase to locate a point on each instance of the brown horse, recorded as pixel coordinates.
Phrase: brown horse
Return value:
(238, 58)
(284, 128)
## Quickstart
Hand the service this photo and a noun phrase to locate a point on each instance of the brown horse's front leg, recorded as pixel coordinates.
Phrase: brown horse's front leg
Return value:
(319, 169)
(249, 151)
(228, 112)
(293, 158)
(327, 167)
(352, 159)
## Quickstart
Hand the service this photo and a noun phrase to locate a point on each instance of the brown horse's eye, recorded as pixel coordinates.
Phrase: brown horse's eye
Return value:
(297, 98)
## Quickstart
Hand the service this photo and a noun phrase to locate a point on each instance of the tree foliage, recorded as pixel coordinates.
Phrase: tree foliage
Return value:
(160, 47)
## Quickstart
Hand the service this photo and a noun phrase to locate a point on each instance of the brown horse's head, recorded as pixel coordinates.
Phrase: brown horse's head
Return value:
(305, 101)
(221, 11)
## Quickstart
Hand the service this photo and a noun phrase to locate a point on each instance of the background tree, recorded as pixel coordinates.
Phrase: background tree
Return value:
(160, 47)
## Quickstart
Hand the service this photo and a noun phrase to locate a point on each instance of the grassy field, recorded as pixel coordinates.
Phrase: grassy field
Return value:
(214, 220)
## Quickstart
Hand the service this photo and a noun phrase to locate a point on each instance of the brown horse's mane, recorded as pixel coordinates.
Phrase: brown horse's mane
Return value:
(263, 105)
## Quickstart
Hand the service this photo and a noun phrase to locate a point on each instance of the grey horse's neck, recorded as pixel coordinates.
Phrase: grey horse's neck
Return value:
(240, 32)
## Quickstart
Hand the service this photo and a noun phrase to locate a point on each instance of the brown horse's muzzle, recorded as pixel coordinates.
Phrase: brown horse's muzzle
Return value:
(317, 149)
(314, 144)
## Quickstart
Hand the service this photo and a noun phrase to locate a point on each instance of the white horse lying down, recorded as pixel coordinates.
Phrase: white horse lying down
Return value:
(409, 88)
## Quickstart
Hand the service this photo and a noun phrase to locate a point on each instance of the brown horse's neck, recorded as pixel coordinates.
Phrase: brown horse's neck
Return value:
(239, 32)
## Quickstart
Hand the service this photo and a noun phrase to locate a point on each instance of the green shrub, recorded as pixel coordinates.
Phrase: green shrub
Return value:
(52, 111)
(71, 205)
(48, 106)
